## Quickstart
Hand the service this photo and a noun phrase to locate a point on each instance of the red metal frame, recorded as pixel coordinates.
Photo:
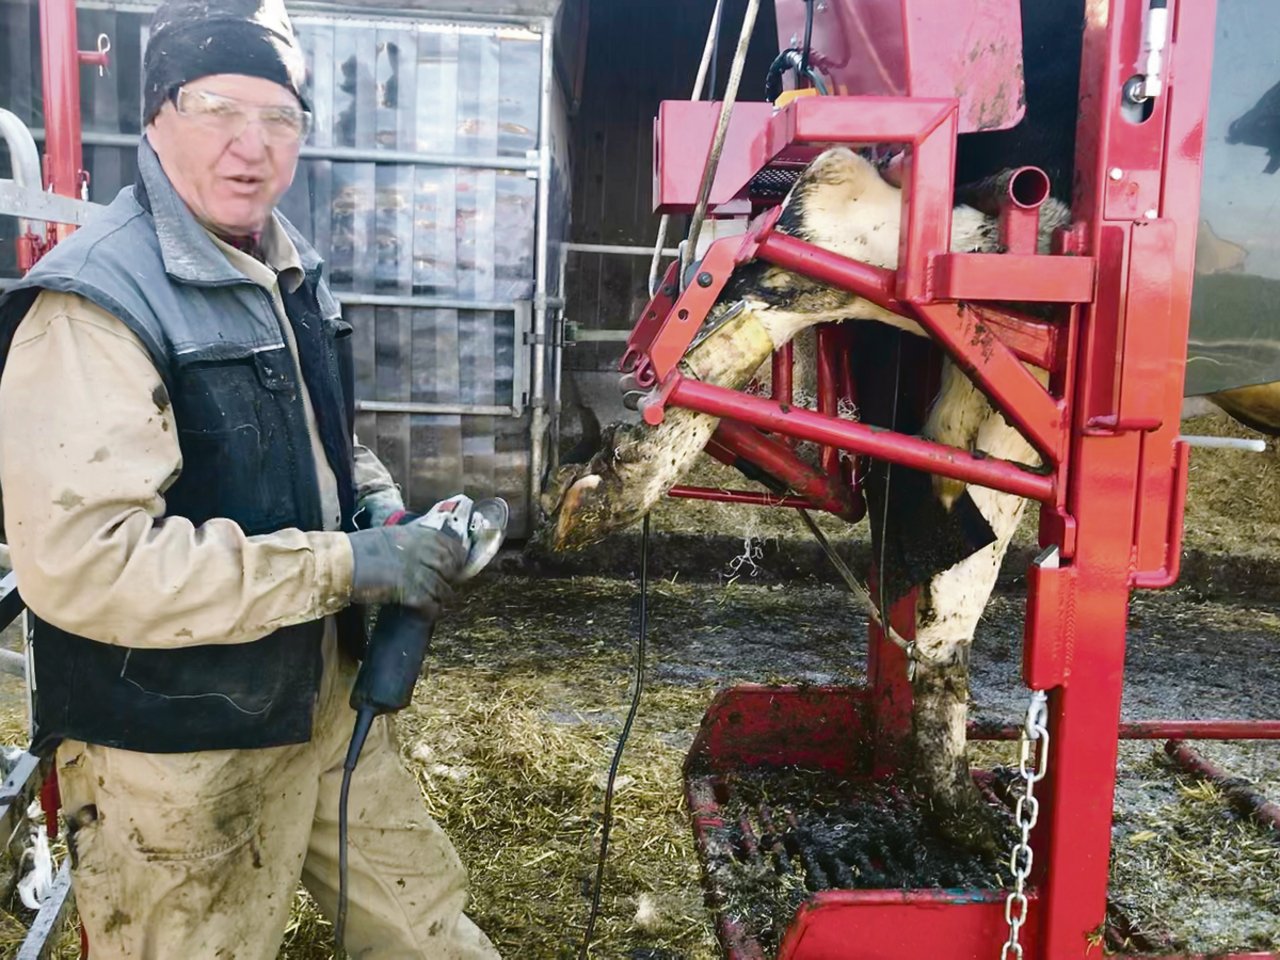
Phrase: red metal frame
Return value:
(1114, 476)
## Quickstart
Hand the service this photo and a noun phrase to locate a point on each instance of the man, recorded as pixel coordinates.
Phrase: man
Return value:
(181, 493)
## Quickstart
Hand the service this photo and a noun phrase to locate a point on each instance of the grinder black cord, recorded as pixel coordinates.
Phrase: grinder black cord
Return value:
(397, 649)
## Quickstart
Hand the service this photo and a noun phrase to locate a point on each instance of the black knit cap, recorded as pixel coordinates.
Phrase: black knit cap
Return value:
(196, 38)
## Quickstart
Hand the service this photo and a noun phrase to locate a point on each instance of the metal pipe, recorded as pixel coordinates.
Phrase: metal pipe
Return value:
(777, 460)
(1156, 730)
(876, 284)
(344, 154)
(848, 435)
(444, 409)
(617, 248)
(60, 59)
(1237, 790)
(424, 303)
(828, 338)
(783, 372)
(34, 203)
(537, 395)
(557, 364)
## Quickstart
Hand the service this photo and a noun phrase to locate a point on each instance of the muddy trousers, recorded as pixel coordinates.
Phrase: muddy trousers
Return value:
(195, 856)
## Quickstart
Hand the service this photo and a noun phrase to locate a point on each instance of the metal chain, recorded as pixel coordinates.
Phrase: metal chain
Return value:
(1026, 812)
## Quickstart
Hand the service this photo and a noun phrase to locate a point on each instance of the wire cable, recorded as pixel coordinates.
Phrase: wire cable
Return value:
(636, 690)
(364, 721)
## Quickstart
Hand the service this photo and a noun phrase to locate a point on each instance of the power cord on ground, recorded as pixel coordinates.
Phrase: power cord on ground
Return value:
(636, 690)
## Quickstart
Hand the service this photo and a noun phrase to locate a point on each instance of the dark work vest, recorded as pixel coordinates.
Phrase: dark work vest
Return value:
(217, 342)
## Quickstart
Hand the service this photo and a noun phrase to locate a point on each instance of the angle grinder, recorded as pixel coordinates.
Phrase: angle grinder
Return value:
(398, 646)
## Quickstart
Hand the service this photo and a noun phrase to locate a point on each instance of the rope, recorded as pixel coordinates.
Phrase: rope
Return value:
(722, 128)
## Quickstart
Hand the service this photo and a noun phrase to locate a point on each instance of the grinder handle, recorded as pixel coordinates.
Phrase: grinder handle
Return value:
(393, 660)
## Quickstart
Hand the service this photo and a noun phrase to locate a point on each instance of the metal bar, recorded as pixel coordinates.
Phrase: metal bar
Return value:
(523, 322)
(739, 496)
(11, 604)
(41, 938)
(23, 156)
(13, 663)
(775, 458)
(876, 284)
(1156, 730)
(848, 435)
(828, 339)
(348, 154)
(59, 53)
(1243, 444)
(460, 409)
(1235, 789)
(927, 197)
(423, 303)
(600, 336)
(537, 392)
(617, 248)
(32, 203)
(784, 372)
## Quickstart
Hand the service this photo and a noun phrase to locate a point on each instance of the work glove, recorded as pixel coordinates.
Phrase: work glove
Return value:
(379, 508)
(409, 565)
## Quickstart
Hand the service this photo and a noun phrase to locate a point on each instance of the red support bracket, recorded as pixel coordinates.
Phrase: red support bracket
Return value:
(650, 320)
(1014, 390)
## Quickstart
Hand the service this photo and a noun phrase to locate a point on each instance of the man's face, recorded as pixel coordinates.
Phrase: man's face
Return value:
(227, 148)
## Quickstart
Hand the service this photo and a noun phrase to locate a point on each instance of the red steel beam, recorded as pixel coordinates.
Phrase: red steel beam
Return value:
(822, 490)
(1236, 790)
(60, 59)
(848, 435)
(828, 343)
(876, 284)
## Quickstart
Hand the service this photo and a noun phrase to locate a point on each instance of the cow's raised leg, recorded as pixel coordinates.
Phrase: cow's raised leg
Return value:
(949, 608)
